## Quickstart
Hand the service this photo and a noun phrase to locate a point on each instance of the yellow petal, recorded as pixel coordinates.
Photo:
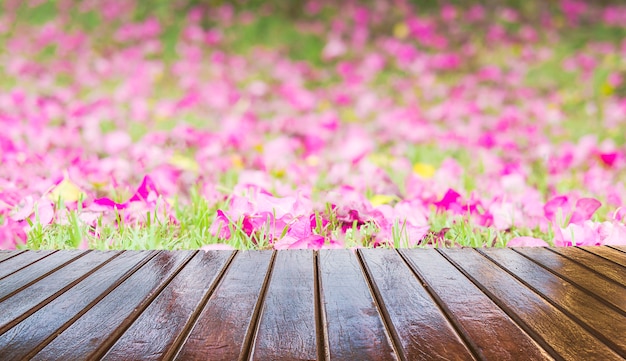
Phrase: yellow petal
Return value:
(400, 30)
(424, 170)
(65, 191)
(380, 199)
(184, 162)
(237, 161)
(607, 89)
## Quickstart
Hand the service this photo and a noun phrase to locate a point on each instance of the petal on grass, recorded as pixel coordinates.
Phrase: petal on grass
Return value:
(217, 247)
(527, 242)
(585, 208)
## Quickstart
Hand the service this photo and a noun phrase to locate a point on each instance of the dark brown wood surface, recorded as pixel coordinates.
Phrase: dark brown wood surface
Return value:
(354, 328)
(535, 314)
(287, 324)
(235, 303)
(487, 328)
(602, 266)
(370, 304)
(605, 289)
(418, 326)
(608, 253)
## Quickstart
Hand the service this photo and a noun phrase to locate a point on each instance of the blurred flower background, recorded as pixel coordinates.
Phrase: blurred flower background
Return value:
(311, 124)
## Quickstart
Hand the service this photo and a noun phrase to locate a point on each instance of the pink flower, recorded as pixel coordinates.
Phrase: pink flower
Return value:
(11, 234)
(300, 235)
(527, 242)
(217, 247)
(146, 199)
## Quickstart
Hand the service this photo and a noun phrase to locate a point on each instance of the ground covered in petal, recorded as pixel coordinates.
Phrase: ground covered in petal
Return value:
(311, 124)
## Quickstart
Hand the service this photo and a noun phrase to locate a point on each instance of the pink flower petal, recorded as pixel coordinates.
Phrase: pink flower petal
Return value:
(527, 242)
(217, 247)
(585, 208)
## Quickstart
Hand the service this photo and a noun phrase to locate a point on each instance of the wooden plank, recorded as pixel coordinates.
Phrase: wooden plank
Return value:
(35, 271)
(588, 310)
(39, 328)
(494, 335)
(116, 311)
(594, 262)
(573, 272)
(4, 254)
(22, 260)
(355, 330)
(619, 248)
(419, 329)
(550, 327)
(156, 332)
(287, 326)
(608, 253)
(234, 303)
(22, 304)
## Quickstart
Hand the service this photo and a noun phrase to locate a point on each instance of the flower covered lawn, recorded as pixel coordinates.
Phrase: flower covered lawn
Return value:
(214, 125)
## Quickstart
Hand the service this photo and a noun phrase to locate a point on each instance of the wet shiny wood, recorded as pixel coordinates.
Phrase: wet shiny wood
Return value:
(535, 314)
(109, 317)
(287, 325)
(234, 303)
(608, 253)
(22, 260)
(354, 328)
(156, 332)
(491, 332)
(33, 333)
(587, 310)
(602, 288)
(421, 330)
(370, 304)
(602, 266)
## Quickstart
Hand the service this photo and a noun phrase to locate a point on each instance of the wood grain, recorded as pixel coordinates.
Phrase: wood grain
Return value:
(38, 329)
(115, 311)
(495, 336)
(221, 328)
(606, 290)
(608, 253)
(603, 320)
(30, 299)
(23, 259)
(552, 328)
(36, 271)
(155, 333)
(354, 326)
(596, 263)
(419, 328)
(286, 329)
(6, 254)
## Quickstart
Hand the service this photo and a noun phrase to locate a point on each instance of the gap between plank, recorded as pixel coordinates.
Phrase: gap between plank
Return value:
(382, 311)
(180, 340)
(128, 321)
(602, 256)
(507, 310)
(458, 328)
(43, 303)
(580, 287)
(26, 265)
(323, 348)
(43, 275)
(248, 341)
(67, 324)
(585, 266)
(14, 253)
(567, 313)
(617, 249)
